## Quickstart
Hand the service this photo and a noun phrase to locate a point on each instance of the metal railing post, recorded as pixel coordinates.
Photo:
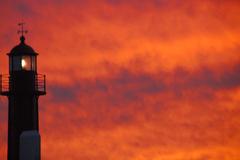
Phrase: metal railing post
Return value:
(44, 83)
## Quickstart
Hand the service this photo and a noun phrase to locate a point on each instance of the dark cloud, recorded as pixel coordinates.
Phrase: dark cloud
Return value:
(208, 78)
(62, 93)
(126, 86)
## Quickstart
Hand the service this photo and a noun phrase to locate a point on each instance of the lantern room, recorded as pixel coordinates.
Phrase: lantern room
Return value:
(22, 58)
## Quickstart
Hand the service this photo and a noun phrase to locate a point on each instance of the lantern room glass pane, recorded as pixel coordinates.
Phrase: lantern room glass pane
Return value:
(16, 63)
(33, 59)
(26, 63)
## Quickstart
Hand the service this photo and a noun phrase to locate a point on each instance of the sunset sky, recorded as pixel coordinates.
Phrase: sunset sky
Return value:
(131, 79)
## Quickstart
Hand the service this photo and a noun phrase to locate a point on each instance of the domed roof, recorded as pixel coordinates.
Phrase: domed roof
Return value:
(22, 49)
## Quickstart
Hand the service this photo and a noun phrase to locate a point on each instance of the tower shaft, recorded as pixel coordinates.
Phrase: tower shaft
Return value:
(23, 109)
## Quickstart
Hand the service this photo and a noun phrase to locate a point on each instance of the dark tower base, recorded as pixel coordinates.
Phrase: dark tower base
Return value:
(23, 110)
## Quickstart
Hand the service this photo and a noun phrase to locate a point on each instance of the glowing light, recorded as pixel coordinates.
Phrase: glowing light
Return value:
(24, 64)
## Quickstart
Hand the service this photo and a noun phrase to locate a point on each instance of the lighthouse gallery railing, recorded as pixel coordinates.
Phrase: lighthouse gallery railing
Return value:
(4, 84)
(40, 84)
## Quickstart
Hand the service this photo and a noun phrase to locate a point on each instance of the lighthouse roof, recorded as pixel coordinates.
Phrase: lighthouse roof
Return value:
(22, 49)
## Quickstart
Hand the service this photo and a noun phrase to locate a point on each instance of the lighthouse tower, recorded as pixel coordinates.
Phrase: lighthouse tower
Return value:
(22, 86)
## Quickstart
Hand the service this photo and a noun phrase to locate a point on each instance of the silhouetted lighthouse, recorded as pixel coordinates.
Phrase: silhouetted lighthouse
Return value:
(22, 86)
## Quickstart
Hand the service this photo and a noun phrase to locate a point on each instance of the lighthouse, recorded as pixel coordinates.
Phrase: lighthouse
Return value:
(23, 86)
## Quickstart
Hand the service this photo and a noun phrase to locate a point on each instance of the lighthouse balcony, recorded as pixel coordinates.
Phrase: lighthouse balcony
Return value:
(40, 84)
(6, 83)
